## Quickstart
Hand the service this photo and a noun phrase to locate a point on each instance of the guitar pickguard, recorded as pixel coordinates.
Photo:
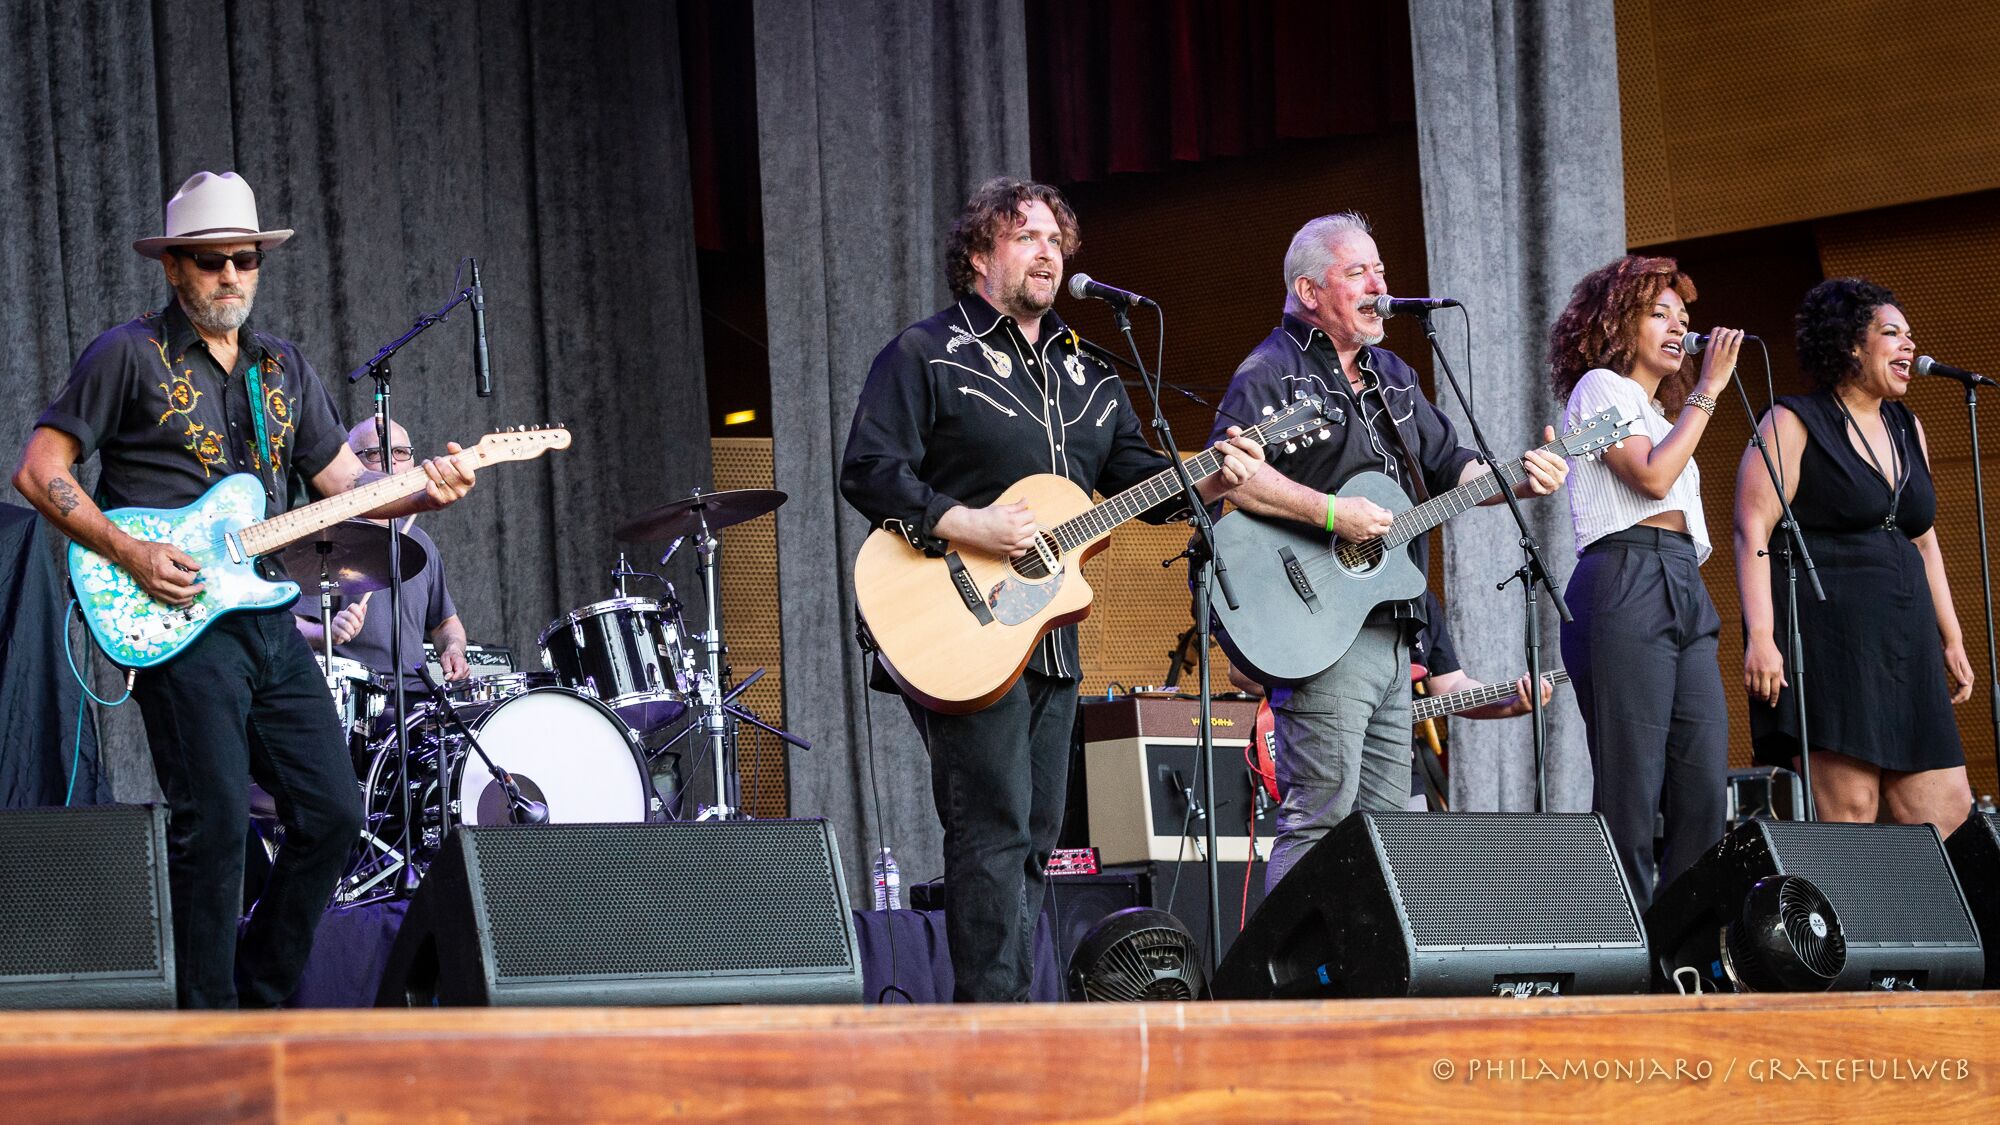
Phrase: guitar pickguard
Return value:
(1014, 600)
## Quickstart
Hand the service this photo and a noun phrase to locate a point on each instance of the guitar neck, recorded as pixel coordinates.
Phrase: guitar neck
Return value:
(1429, 514)
(275, 533)
(1430, 707)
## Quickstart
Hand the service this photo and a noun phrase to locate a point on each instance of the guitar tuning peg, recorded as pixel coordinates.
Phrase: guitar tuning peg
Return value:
(1325, 433)
(1270, 410)
(1291, 447)
(1306, 441)
(1619, 444)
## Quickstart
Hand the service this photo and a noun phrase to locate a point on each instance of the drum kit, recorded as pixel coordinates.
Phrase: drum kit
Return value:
(623, 682)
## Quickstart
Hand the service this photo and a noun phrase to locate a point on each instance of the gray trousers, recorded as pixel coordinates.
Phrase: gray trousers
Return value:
(1343, 743)
(1642, 654)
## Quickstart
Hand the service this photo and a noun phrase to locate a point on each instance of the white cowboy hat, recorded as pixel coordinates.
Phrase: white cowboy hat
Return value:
(211, 210)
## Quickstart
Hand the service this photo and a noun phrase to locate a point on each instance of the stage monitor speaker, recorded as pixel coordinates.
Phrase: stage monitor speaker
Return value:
(1445, 904)
(1975, 857)
(88, 920)
(690, 912)
(1903, 918)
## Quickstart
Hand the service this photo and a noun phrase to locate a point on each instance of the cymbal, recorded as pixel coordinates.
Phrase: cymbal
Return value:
(721, 509)
(356, 556)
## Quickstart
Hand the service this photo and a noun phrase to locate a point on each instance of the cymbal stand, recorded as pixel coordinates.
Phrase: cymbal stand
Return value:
(714, 715)
(326, 588)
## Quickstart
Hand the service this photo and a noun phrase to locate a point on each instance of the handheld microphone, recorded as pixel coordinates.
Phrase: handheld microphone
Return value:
(1693, 343)
(1928, 366)
(1387, 306)
(482, 370)
(1082, 285)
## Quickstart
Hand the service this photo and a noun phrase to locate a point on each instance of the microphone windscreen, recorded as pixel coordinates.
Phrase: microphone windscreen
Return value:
(1079, 285)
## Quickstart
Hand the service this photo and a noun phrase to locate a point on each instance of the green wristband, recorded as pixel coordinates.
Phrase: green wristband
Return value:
(1332, 510)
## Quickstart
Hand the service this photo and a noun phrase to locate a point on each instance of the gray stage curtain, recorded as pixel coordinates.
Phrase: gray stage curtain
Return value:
(547, 140)
(1523, 182)
(876, 119)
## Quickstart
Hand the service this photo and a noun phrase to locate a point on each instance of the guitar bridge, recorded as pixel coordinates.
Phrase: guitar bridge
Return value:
(968, 590)
(1301, 585)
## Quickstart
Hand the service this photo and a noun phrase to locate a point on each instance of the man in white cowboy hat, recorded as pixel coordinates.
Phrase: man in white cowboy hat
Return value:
(172, 402)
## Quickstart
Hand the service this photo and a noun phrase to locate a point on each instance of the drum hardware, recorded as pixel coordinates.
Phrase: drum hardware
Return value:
(703, 516)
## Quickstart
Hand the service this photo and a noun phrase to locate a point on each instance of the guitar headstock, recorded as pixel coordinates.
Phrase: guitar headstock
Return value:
(1597, 434)
(523, 443)
(1299, 423)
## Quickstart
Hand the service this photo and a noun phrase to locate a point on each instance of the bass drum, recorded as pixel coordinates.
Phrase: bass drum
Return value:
(566, 750)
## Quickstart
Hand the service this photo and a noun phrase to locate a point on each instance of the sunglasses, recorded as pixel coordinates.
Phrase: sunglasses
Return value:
(210, 261)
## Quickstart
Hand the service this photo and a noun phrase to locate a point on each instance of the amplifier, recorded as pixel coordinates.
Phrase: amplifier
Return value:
(1142, 782)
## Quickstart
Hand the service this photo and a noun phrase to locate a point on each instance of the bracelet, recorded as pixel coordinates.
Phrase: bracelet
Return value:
(1706, 403)
(1332, 510)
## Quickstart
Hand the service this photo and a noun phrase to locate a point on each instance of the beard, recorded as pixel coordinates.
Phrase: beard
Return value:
(1018, 299)
(212, 317)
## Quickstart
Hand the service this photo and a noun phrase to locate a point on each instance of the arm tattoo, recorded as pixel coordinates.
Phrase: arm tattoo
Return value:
(63, 495)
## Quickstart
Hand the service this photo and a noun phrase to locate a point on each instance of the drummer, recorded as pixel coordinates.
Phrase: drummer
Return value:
(360, 628)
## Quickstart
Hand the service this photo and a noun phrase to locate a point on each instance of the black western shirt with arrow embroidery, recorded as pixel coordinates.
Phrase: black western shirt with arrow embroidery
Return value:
(960, 406)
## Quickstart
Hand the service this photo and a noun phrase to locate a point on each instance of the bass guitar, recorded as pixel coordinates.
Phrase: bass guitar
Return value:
(1302, 595)
(956, 631)
(225, 531)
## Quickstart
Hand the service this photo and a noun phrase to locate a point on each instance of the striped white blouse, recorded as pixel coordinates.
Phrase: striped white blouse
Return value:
(1600, 503)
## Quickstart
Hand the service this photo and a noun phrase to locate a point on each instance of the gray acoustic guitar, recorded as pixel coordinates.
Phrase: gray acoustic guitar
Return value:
(1302, 595)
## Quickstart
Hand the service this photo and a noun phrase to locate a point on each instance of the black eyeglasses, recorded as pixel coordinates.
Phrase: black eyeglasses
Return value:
(373, 455)
(210, 261)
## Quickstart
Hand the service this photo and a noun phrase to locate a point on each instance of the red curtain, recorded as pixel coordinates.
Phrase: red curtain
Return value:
(1134, 85)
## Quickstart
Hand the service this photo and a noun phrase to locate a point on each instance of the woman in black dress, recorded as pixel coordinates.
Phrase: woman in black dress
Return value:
(1884, 657)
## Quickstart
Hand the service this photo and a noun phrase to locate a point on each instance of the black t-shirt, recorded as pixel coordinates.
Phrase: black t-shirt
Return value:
(167, 422)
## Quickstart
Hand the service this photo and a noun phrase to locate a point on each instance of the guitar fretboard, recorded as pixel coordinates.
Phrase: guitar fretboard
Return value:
(1156, 489)
(1429, 514)
(1429, 707)
(273, 534)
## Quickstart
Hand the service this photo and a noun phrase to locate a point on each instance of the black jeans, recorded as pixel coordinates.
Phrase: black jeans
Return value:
(999, 777)
(1642, 653)
(245, 701)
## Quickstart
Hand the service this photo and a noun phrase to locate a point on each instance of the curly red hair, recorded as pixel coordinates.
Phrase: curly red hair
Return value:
(1600, 327)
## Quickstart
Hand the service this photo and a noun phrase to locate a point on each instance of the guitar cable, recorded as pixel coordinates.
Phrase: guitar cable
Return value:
(76, 748)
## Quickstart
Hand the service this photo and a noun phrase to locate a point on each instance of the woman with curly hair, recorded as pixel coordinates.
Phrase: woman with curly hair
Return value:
(1642, 647)
(1884, 656)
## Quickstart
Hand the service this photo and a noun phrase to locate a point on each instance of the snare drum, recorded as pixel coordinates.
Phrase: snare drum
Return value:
(475, 691)
(625, 652)
(358, 695)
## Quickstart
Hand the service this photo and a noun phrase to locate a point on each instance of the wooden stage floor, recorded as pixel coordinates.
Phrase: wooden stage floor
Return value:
(1858, 1057)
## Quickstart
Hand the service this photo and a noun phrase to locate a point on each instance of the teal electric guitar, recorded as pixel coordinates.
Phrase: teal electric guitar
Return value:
(225, 531)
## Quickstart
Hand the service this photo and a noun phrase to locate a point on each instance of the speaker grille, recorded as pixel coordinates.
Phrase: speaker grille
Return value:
(1886, 881)
(94, 906)
(1503, 881)
(651, 900)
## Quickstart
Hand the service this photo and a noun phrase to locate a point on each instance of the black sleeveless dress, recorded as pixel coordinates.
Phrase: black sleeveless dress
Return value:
(1875, 682)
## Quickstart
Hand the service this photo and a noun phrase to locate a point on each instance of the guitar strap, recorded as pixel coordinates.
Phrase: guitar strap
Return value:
(1372, 383)
(253, 382)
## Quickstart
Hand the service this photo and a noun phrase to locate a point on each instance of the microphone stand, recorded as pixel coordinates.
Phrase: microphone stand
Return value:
(1532, 572)
(1985, 568)
(1795, 645)
(1212, 572)
(378, 370)
(520, 810)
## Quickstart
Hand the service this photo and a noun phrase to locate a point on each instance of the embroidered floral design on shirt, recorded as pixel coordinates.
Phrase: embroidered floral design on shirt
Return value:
(182, 395)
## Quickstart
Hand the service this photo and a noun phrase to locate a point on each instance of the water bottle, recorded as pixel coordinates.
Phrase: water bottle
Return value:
(888, 882)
